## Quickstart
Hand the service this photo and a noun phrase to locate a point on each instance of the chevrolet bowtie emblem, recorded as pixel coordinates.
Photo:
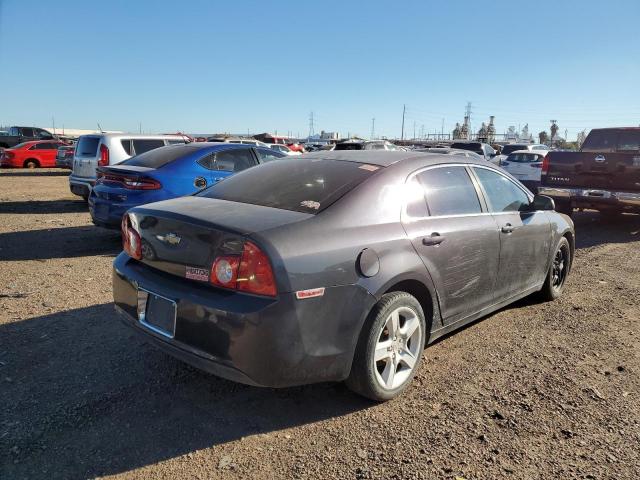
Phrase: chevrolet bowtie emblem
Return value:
(170, 238)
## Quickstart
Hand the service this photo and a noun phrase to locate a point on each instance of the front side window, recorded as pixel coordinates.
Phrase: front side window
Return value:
(449, 191)
(502, 194)
(268, 155)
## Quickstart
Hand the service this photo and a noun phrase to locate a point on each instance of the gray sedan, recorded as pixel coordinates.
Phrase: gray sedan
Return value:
(336, 265)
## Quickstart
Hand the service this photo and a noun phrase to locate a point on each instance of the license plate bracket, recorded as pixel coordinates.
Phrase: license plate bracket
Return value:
(157, 313)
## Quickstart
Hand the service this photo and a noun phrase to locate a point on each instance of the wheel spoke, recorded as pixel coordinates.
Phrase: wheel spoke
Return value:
(393, 323)
(410, 327)
(389, 373)
(407, 358)
(383, 351)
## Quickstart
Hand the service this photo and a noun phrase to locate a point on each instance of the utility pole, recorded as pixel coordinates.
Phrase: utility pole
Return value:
(442, 130)
(53, 121)
(404, 109)
(414, 129)
(373, 128)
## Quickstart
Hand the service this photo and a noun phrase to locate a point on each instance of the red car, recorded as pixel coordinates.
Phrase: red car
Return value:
(41, 153)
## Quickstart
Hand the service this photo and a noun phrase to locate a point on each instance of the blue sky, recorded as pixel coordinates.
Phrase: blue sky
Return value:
(206, 66)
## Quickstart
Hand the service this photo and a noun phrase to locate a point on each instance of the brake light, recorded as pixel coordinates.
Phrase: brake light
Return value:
(104, 155)
(131, 183)
(131, 241)
(545, 165)
(250, 272)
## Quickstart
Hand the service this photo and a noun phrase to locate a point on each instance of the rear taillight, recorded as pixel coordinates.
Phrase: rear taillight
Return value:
(545, 165)
(250, 272)
(131, 241)
(104, 155)
(141, 183)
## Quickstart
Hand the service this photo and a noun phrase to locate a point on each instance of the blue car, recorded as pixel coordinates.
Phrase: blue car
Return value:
(168, 172)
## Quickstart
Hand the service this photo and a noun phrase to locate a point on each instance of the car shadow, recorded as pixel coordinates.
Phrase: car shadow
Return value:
(26, 172)
(64, 242)
(593, 228)
(44, 206)
(83, 396)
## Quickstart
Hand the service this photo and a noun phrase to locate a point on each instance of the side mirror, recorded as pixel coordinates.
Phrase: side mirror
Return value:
(542, 202)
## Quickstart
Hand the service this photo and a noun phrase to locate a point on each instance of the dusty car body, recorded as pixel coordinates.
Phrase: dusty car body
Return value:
(341, 242)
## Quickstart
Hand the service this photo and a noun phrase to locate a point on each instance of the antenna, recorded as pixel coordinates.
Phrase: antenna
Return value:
(100, 128)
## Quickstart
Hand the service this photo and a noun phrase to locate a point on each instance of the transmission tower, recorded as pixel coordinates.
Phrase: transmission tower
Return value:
(467, 114)
(311, 130)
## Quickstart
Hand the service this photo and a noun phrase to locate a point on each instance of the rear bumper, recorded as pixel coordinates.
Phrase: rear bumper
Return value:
(272, 342)
(105, 213)
(81, 186)
(580, 197)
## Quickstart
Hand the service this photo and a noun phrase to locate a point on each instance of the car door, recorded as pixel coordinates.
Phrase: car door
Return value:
(456, 238)
(48, 154)
(525, 235)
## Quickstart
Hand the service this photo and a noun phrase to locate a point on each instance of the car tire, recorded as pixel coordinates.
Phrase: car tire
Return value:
(558, 272)
(389, 349)
(31, 163)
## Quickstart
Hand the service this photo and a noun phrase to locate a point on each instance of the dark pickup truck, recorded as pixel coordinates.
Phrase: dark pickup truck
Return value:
(24, 134)
(604, 175)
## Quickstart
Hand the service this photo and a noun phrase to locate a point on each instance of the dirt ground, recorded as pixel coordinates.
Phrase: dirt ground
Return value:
(534, 391)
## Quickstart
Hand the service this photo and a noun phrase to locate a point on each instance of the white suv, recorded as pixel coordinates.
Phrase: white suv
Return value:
(104, 149)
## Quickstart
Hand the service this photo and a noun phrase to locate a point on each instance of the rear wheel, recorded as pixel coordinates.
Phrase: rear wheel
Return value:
(31, 163)
(389, 348)
(558, 271)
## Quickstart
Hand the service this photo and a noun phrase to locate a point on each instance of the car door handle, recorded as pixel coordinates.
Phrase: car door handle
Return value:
(508, 228)
(433, 239)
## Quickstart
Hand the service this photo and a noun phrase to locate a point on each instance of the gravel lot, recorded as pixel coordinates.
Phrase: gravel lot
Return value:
(534, 391)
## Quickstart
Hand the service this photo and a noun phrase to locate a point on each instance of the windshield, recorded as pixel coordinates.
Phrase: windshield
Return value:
(473, 147)
(20, 145)
(301, 185)
(159, 157)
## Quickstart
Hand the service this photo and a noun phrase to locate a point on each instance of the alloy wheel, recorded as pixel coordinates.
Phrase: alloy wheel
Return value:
(398, 348)
(559, 268)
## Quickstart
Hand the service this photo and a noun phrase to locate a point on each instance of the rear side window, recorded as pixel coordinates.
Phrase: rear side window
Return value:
(301, 185)
(88, 146)
(234, 160)
(27, 132)
(159, 157)
(142, 146)
(449, 191)
(600, 141)
(349, 146)
(175, 142)
(126, 144)
(502, 194)
(629, 140)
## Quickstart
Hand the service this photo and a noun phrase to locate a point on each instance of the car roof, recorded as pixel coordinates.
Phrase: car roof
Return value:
(134, 135)
(385, 158)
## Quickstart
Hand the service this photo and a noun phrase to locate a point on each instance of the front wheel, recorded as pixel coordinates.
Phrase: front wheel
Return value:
(389, 348)
(558, 272)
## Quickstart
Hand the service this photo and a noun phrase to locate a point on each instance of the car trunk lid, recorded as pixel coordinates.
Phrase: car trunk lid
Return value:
(184, 236)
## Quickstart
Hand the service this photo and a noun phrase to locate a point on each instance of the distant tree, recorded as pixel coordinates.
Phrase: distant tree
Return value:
(543, 137)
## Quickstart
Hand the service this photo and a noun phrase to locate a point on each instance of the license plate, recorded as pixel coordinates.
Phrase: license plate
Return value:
(157, 313)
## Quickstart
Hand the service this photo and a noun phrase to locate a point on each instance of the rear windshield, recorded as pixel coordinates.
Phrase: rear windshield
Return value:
(159, 157)
(507, 149)
(472, 147)
(349, 146)
(301, 185)
(88, 146)
(524, 158)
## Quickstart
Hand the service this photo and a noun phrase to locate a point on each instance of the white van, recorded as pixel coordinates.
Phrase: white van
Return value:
(103, 149)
